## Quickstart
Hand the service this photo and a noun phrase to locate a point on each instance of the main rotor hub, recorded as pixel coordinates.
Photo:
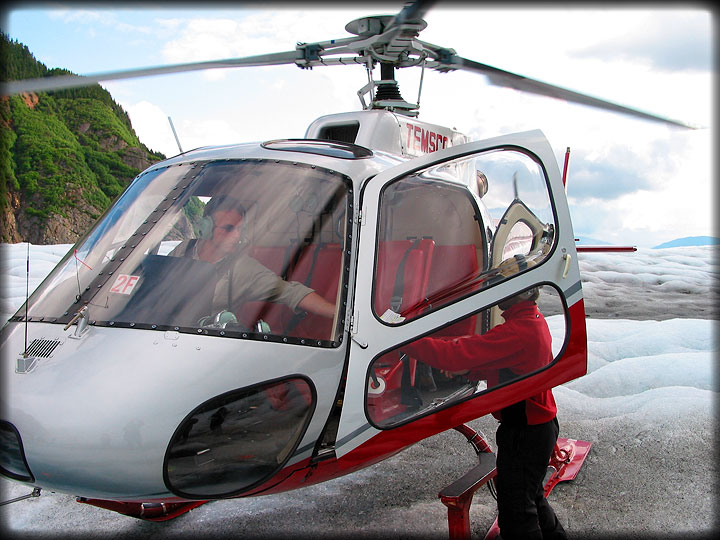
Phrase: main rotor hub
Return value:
(368, 26)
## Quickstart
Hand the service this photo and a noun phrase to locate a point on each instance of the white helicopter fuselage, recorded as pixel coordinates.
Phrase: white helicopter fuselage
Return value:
(110, 408)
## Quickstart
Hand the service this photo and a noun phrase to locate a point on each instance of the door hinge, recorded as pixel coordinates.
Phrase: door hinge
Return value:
(353, 332)
(352, 325)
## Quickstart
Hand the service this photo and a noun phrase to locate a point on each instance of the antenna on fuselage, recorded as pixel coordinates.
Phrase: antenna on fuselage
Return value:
(27, 298)
(175, 133)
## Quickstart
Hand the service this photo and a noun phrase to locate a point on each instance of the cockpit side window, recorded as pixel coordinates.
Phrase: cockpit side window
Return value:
(445, 231)
(430, 245)
(414, 380)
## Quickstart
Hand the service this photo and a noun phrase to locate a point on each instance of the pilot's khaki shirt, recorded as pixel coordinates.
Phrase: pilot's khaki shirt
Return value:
(242, 278)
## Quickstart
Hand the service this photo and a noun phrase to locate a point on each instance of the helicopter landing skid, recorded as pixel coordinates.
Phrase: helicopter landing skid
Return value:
(143, 510)
(565, 464)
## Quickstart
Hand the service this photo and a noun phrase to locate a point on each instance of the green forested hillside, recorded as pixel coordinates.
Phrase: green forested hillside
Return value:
(64, 155)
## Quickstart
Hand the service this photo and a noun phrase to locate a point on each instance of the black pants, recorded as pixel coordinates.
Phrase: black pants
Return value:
(523, 453)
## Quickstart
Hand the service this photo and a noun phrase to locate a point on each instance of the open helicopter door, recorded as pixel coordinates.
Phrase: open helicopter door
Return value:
(433, 232)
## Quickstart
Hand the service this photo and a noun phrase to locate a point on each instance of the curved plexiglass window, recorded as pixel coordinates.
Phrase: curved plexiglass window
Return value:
(231, 247)
(444, 231)
(409, 382)
(59, 292)
(237, 440)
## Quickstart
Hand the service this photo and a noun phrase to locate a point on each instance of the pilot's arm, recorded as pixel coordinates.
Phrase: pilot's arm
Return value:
(252, 280)
(314, 303)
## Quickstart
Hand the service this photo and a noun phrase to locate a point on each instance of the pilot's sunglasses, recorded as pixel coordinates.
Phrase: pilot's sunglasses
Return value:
(227, 228)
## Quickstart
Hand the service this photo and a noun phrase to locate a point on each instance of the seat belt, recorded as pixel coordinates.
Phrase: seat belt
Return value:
(397, 297)
(291, 256)
(308, 279)
(299, 315)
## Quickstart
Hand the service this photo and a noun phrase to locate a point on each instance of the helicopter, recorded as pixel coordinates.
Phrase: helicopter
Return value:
(401, 225)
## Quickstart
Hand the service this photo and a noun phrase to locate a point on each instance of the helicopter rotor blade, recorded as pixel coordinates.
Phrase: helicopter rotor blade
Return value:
(387, 39)
(412, 12)
(500, 77)
(305, 55)
(63, 82)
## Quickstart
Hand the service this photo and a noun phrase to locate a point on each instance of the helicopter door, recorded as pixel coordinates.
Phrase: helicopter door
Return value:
(434, 233)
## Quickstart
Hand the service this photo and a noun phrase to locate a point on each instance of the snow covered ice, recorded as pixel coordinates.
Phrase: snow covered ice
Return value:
(647, 404)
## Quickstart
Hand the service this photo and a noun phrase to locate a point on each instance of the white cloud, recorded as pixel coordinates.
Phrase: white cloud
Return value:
(250, 34)
(674, 41)
(152, 126)
(655, 180)
(209, 132)
(82, 16)
(101, 17)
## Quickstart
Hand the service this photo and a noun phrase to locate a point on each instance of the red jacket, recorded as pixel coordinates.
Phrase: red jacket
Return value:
(522, 344)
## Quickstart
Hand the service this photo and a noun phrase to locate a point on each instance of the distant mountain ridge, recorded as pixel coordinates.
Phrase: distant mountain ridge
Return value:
(690, 241)
(64, 155)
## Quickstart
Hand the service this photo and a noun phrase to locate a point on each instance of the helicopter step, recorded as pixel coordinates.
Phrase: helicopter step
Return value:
(565, 464)
(458, 495)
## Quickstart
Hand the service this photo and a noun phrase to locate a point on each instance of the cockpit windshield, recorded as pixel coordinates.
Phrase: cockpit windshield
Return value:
(236, 248)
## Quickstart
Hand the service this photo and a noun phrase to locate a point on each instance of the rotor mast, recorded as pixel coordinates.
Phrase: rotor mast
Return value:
(387, 93)
(389, 41)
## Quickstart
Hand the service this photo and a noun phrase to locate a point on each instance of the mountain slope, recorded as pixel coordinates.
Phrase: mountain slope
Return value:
(64, 156)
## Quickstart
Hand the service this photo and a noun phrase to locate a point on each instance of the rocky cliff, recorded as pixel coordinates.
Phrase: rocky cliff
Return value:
(64, 156)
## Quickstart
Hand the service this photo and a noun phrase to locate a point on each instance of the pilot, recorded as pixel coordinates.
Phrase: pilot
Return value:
(241, 276)
(528, 429)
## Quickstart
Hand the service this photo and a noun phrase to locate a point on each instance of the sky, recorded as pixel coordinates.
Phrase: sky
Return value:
(630, 181)
(648, 405)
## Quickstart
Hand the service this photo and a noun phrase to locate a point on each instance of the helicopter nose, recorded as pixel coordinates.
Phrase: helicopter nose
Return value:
(225, 446)
(98, 419)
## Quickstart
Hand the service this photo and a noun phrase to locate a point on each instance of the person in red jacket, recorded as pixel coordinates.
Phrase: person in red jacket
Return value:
(529, 428)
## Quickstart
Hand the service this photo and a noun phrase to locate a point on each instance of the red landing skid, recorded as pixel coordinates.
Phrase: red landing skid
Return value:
(565, 463)
(148, 511)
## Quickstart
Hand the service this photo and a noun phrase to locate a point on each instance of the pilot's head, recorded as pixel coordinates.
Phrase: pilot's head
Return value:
(223, 203)
(222, 221)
